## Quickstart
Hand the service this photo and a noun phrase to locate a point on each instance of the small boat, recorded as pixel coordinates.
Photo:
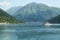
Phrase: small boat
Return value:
(47, 24)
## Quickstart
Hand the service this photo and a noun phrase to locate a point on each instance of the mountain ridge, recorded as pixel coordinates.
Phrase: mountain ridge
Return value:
(54, 19)
(12, 10)
(6, 18)
(35, 12)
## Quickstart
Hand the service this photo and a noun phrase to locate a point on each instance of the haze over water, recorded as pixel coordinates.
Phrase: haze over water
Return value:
(29, 32)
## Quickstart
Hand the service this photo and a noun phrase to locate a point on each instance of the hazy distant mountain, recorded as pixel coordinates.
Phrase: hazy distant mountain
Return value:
(33, 12)
(12, 10)
(55, 19)
(5, 17)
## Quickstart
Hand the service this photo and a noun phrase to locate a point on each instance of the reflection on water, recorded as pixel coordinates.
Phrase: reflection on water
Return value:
(29, 32)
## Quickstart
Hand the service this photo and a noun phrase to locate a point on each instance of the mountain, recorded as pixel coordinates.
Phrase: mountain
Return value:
(54, 19)
(12, 10)
(34, 12)
(6, 18)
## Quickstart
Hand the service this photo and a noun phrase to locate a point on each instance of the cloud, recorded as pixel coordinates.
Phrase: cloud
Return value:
(5, 3)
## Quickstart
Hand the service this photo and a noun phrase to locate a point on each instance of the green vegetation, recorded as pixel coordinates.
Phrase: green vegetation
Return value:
(55, 19)
(6, 18)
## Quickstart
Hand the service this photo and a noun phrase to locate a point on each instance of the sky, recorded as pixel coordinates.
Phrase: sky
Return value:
(6, 4)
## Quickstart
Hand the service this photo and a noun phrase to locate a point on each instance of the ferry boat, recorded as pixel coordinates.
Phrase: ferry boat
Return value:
(47, 24)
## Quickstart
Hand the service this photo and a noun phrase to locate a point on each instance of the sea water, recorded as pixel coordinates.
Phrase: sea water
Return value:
(29, 32)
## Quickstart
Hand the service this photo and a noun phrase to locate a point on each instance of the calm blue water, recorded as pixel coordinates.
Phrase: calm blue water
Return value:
(29, 32)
